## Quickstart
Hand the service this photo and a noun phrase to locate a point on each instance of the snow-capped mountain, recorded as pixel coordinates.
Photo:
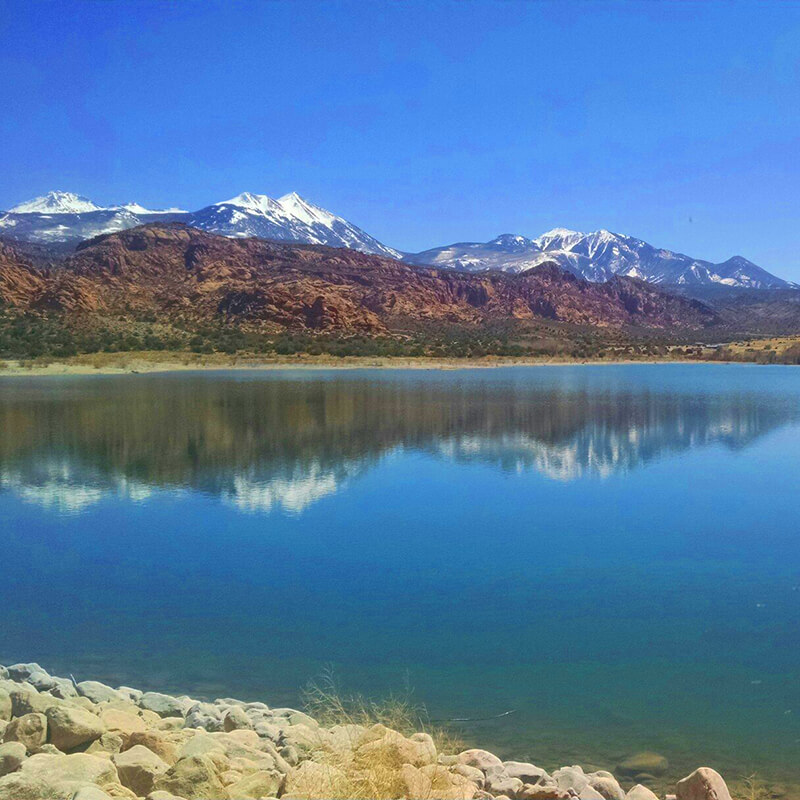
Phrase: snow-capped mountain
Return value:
(63, 217)
(598, 256)
(56, 203)
(289, 218)
(66, 218)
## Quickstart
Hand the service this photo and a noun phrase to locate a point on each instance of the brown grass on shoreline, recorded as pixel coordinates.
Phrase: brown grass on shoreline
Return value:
(160, 361)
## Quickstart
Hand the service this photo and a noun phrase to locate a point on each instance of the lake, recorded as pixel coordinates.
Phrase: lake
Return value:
(610, 552)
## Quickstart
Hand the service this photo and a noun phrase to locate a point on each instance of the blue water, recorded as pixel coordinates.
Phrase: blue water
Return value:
(611, 552)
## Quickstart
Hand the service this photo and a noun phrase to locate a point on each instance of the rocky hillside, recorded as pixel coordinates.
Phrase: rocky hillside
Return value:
(178, 272)
(68, 740)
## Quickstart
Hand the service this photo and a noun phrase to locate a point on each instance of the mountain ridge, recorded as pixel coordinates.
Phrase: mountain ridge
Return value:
(597, 256)
(173, 271)
(67, 218)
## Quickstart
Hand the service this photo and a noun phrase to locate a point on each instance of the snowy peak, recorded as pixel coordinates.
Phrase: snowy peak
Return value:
(57, 203)
(301, 209)
(257, 203)
(289, 218)
(599, 256)
(511, 242)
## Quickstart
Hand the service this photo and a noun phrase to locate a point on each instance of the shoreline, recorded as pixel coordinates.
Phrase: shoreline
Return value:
(144, 364)
(69, 740)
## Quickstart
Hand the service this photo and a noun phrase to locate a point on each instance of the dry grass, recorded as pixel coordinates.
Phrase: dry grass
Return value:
(370, 754)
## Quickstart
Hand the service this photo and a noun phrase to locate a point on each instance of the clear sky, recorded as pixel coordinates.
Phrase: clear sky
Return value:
(423, 123)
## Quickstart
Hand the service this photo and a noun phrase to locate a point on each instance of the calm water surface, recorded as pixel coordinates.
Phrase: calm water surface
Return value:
(611, 552)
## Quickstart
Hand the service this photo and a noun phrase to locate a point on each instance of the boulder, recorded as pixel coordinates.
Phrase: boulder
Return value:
(109, 742)
(29, 729)
(391, 746)
(134, 695)
(21, 672)
(267, 730)
(235, 719)
(527, 773)
(449, 785)
(291, 716)
(193, 778)
(204, 715)
(470, 773)
(640, 792)
(122, 722)
(414, 782)
(571, 778)
(163, 704)
(497, 782)
(703, 784)
(63, 688)
(26, 700)
(69, 727)
(606, 785)
(482, 759)
(303, 737)
(263, 783)
(139, 768)
(56, 777)
(156, 741)
(652, 763)
(12, 754)
(5, 704)
(97, 692)
(290, 754)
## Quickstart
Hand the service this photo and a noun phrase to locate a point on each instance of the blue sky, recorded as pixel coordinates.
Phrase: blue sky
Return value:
(424, 123)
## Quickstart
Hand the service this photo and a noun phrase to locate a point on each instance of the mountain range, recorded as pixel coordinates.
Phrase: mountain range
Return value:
(597, 256)
(66, 219)
(173, 272)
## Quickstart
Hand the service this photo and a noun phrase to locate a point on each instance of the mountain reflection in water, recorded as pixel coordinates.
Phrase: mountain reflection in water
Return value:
(268, 442)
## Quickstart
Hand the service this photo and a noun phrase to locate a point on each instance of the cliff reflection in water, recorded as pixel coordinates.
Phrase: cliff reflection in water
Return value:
(283, 444)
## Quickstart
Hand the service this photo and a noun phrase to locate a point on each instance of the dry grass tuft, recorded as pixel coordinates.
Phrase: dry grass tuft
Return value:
(372, 746)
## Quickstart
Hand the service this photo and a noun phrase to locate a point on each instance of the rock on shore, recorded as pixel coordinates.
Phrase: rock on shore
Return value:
(87, 741)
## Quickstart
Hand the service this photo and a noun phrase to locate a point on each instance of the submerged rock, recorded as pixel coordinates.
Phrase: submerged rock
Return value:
(646, 762)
